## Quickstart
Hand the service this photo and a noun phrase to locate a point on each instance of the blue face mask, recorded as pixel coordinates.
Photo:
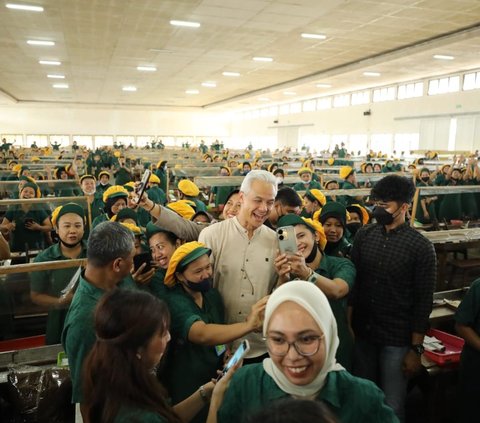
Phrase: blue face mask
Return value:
(202, 286)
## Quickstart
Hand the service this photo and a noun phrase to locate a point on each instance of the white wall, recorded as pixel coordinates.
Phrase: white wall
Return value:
(425, 115)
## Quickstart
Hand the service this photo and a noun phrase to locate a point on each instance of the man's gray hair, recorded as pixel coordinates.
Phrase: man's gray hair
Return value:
(258, 175)
(107, 242)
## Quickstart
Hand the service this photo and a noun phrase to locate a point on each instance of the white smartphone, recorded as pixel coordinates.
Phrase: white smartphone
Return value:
(241, 352)
(142, 186)
(287, 241)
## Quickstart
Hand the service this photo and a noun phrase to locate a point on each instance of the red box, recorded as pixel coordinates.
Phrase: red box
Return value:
(453, 348)
(22, 343)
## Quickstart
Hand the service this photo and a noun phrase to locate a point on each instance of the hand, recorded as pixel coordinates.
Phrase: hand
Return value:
(143, 278)
(222, 385)
(282, 267)
(255, 318)
(65, 299)
(298, 266)
(10, 227)
(412, 363)
(426, 215)
(33, 226)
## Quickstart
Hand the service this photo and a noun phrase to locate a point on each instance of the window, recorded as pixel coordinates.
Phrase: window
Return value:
(39, 140)
(381, 142)
(102, 140)
(143, 140)
(324, 103)
(255, 114)
(444, 85)
(322, 142)
(84, 141)
(338, 140)
(284, 109)
(264, 112)
(125, 140)
(167, 141)
(360, 97)
(471, 81)
(406, 142)
(247, 115)
(295, 107)
(273, 111)
(358, 142)
(410, 90)
(309, 105)
(342, 100)
(16, 140)
(384, 94)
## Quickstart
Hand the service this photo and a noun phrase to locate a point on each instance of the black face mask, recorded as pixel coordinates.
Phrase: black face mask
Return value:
(426, 178)
(354, 227)
(202, 286)
(383, 217)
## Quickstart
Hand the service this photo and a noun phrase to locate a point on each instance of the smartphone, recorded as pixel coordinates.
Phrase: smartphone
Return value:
(141, 258)
(287, 240)
(241, 352)
(142, 186)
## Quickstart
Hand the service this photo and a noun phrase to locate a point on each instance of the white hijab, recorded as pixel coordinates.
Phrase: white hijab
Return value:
(308, 296)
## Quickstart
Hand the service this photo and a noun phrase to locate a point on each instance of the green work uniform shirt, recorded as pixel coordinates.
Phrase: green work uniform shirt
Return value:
(468, 314)
(346, 199)
(122, 176)
(163, 179)
(137, 415)
(157, 195)
(341, 248)
(221, 194)
(350, 398)
(190, 365)
(21, 235)
(156, 287)
(199, 205)
(51, 282)
(300, 186)
(78, 336)
(336, 267)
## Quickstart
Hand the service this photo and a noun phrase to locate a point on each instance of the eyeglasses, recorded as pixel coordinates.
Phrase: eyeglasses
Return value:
(306, 346)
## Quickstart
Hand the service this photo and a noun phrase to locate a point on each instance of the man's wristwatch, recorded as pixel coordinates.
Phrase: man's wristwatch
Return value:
(418, 348)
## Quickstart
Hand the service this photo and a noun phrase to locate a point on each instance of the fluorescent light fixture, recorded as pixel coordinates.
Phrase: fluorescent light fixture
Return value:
(129, 88)
(230, 74)
(60, 85)
(209, 84)
(443, 57)
(371, 73)
(263, 99)
(40, 43)
(323, 86)
(24, 7)
(289, 93)
(185, 23)
(314, 36)
(56, 76)
(263, 59)
(50, 62)
(192, 92)
(147, 68)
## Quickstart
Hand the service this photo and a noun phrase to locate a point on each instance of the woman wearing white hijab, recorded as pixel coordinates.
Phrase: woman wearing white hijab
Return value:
(301, 336)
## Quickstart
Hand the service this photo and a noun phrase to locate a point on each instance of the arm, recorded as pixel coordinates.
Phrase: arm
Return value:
(4, 248)
(51, 301)
(46, 226)
(189, 407)
(6, 226)
(215, 334)
(471, 337)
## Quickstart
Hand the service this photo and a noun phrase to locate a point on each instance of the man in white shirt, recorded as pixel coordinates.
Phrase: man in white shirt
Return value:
(243, 253)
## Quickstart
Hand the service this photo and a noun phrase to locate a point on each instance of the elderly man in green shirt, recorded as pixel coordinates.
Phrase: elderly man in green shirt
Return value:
(110, 252)
(46, 286)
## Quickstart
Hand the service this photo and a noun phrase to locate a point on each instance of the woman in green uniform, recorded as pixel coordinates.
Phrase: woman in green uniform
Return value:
(220, 194)
(115, 199)
(425, 212)
(119, 383)
(305, 174)
(189, 191)
(301, 337)
(333, 217)
(313, 200)
(155, 193)
(451, 204)
(199, 335)
(46, 286)
(162, 174)
(27, 223)
(467, 321)
(334, 276)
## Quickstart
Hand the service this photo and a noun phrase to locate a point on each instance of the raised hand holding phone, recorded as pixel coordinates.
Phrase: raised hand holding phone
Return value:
(241, 352)
(142, 186)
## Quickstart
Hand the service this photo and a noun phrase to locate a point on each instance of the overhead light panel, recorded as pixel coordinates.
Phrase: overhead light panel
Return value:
(187, 24)
(192, 92)
(209, 84)
(263, 59)
(147, 68)
(40, 43)
(371, 73)
(64, 86)
(230, 74)
(56, 76)
(129, 88)
(443, 57)
(314, 36)
(323, 86)
(24, 7)
(50, 62)
(289, 93)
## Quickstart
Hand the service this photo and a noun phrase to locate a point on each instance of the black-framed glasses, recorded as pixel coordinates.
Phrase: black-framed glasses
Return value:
(306, 345)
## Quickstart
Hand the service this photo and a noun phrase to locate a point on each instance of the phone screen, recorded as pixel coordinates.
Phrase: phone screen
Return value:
(141, 258)
(142, 186)
(239, 354)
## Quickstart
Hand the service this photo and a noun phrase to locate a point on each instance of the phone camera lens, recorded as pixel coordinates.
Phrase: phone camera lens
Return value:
(280, 231)
(281, 237)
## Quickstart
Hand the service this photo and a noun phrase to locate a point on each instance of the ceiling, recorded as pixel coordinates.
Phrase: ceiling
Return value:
(101, 42)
